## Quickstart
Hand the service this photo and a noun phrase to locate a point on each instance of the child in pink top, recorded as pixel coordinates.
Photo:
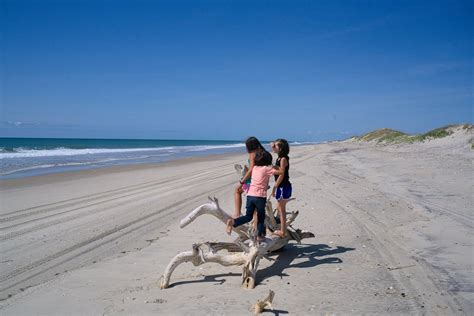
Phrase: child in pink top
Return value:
(253, 145)
(257, 194)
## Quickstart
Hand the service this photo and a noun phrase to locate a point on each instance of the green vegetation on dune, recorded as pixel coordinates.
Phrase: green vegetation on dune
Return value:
(435, 133)
(386, 135)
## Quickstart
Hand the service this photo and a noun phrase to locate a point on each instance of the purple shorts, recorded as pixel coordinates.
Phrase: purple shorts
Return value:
(246, 187)
(283, 193)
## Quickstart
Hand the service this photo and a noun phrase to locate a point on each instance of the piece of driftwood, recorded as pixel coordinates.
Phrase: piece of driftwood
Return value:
(262, 304)
(244, 251)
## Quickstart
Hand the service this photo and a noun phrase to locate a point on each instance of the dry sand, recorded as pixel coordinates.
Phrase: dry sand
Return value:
(393, 225)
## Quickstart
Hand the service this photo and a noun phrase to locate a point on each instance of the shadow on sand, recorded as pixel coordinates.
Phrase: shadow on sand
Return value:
(209, 278)
(312, 255)
(275, 311)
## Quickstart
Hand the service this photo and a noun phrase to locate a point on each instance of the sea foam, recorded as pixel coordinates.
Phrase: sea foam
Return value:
(62, 151)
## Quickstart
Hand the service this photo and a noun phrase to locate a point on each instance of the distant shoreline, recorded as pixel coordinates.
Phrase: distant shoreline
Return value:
(26, 157)
(106, 170)
(125, 165)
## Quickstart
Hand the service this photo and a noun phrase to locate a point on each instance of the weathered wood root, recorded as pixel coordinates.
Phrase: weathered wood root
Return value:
(198, 256)
(243, 251)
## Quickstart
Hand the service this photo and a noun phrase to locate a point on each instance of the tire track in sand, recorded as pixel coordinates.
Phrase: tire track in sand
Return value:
(95, 242)
(151, 192)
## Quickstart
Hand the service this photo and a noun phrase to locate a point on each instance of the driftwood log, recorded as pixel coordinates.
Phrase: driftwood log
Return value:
(244, 251)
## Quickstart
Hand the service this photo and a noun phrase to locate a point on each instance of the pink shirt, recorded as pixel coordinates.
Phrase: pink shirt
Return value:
(260, 177)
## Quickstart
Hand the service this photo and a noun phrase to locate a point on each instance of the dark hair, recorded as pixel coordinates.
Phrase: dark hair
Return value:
(263, 158)
(284, 147)
(253, 144)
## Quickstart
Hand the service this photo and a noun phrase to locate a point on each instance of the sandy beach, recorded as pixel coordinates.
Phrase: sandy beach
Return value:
(393, 226)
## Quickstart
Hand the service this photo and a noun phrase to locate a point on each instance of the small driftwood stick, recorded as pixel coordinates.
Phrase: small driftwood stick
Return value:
(266, 302)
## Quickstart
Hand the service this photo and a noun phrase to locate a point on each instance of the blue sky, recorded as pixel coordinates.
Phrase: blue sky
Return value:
(302, 70)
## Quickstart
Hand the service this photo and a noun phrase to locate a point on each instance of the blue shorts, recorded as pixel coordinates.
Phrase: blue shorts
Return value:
(283, 193)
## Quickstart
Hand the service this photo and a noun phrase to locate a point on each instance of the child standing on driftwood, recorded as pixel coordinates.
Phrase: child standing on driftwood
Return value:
(282, 188)
(253, 146)
(257, 194)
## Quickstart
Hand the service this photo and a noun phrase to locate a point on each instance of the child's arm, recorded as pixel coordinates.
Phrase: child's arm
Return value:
(249, 172)
(280, 171)
(281, 174)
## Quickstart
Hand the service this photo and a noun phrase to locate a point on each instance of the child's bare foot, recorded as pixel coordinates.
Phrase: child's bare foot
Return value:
(230, 223)
(279, 233)
(260, 240)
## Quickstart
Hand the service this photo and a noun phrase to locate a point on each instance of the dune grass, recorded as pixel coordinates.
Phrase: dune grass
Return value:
(435, 133)
(386, 135)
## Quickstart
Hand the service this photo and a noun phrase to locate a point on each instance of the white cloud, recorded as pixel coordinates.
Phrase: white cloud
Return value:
(11, 124)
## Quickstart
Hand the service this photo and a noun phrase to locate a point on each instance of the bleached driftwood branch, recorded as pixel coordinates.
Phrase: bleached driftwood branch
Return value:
(212, 208)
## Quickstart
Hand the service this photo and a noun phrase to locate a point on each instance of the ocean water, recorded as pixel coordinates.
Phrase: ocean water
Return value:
(23, 157)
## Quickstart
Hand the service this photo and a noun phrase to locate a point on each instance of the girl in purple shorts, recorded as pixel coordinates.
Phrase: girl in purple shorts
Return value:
(282, 188)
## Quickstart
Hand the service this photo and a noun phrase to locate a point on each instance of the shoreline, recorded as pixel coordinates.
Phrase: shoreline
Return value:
(105, 170)
(39, 170)
(35, 171)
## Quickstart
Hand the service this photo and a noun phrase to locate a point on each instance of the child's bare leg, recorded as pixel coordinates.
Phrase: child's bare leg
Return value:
(283, 217)
(237, 200)
(282, 213)
(254, 221)
(230, 224)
